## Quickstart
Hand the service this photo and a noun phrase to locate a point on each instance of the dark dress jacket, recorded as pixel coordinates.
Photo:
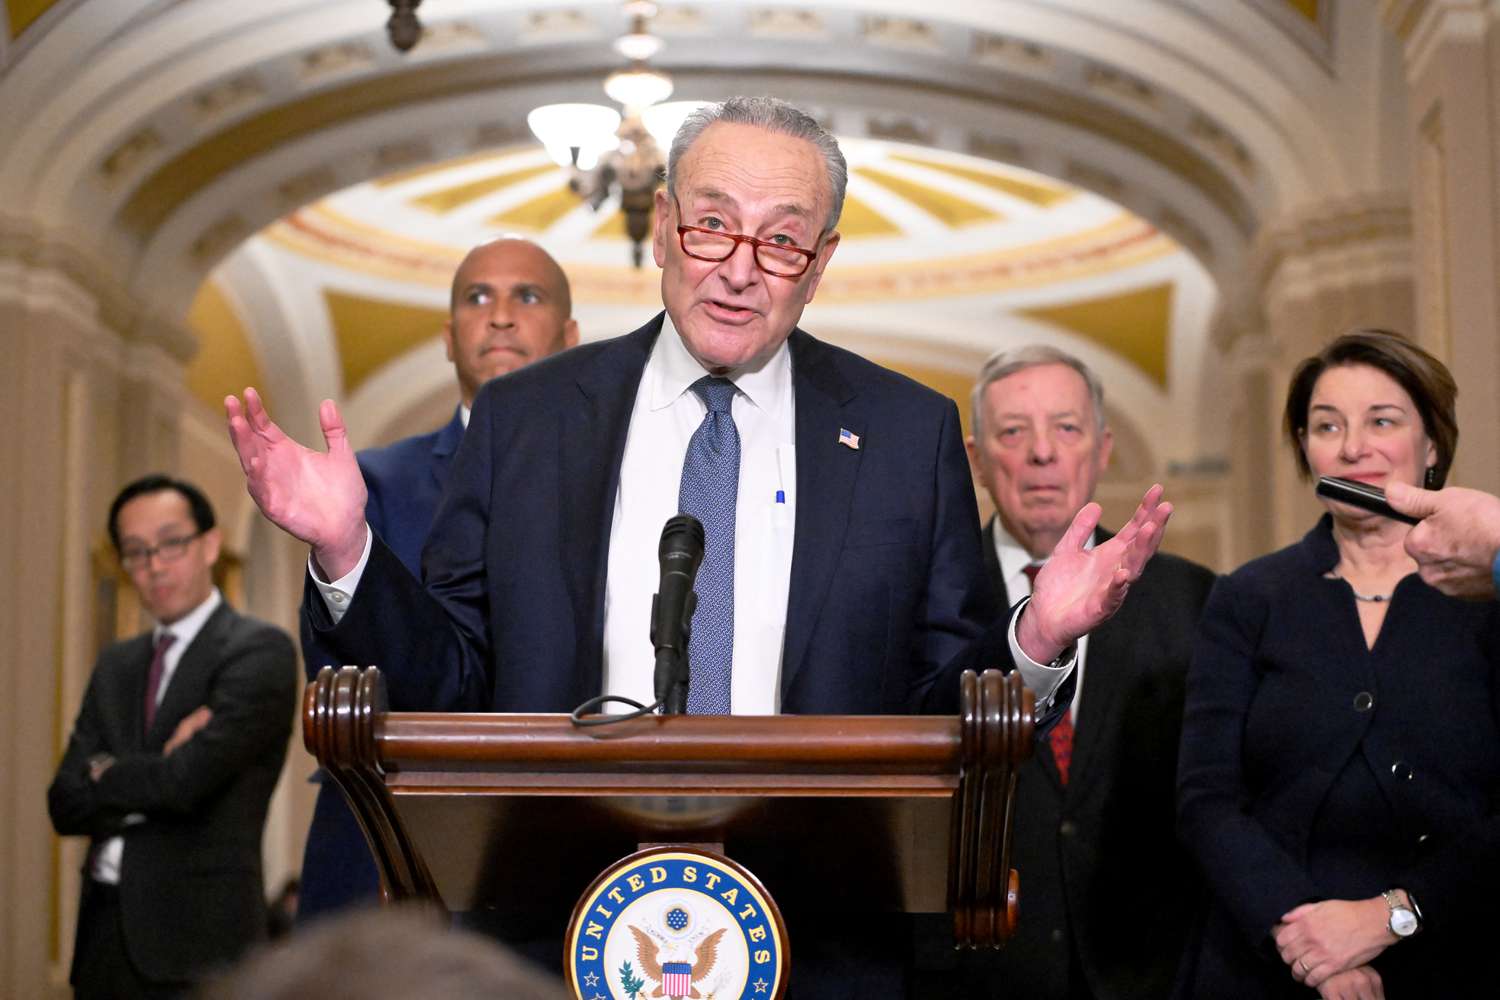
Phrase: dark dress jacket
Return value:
(405, 481)
(1109, 897)
(1316, 768)
(888, 599)
(191, 885)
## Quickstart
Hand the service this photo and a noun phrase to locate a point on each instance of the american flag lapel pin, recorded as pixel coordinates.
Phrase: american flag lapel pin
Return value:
(848, 438)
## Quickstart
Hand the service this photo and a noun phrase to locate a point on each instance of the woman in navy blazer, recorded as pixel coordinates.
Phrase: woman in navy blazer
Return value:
(1340, 769)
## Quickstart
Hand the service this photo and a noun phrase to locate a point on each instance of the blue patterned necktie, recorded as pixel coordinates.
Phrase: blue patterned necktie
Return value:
(709, 491)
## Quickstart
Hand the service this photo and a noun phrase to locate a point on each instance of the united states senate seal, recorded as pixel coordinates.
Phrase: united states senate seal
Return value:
(679, 924)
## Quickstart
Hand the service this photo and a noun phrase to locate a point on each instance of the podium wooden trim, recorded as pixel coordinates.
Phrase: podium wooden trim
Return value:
(928, 797)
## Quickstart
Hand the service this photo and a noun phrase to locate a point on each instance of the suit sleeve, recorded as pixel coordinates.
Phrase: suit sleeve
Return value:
(1247, 869)
(73, 801)
(430, 642)
(253, 700)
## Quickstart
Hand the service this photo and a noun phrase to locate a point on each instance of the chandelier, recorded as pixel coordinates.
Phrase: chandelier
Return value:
(617, 155)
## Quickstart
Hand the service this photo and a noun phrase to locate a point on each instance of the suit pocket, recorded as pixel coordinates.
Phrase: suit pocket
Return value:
(888, 531)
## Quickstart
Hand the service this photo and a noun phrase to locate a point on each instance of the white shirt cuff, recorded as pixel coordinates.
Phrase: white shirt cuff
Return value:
(1043, 679)
(338, 594)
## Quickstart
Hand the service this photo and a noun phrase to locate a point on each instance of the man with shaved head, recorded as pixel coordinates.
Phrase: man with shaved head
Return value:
(510, 305)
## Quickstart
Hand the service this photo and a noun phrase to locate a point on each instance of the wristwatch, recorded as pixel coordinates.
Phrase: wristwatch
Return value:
(1405, 920)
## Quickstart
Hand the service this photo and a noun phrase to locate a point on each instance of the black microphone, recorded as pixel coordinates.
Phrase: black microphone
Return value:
(680, 552)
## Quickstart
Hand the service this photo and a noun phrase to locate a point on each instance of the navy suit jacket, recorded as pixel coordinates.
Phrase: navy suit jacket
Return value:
(192, 893)
(888, 602)
(405, 481)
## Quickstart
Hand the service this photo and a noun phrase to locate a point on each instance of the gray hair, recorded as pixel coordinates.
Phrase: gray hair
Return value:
(773, 115)
(1003, 363)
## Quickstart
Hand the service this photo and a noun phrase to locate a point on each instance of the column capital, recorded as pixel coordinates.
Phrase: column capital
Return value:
(49, 272)
(1328, 249)
(1423, 26)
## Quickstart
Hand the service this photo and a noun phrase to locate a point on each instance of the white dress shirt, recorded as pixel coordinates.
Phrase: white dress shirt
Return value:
(662, 421)
(107, 859)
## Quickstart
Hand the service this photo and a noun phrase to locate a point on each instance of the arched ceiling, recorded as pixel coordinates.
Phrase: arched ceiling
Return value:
(168, 132)
(158, 138)
(944, 257)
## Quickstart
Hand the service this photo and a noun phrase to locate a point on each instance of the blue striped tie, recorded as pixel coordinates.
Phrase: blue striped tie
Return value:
(709, 491)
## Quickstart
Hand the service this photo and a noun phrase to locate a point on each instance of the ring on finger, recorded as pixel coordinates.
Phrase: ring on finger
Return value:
(1302, 964)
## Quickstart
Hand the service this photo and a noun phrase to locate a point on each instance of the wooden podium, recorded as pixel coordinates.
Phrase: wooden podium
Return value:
(510, 812)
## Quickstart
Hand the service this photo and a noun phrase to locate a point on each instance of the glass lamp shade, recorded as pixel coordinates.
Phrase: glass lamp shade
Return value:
(588, 128)
(638, 87)
(638, 47)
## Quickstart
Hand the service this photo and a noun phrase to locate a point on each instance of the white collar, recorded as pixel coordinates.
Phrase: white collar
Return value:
(1013, 555)
(672, 371)
(186, 628)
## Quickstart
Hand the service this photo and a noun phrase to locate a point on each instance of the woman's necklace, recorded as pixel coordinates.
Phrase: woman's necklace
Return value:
(1368, 598)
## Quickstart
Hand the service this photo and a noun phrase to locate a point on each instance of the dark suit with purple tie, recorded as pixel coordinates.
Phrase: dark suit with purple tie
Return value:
(191, 893)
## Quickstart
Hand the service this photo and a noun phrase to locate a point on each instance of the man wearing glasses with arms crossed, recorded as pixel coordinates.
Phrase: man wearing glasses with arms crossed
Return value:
(172, 761)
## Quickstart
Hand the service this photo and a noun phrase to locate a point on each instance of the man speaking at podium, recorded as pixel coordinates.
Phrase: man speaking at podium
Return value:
(842, 572)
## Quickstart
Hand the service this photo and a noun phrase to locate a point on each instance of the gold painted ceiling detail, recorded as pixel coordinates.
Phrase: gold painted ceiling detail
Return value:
(447, 199)
(1124, 242)
(1034, 190)
(1135, 325)
(539, 213)
(24, 12)
(952, 209)
(225, 362)
(370, 332)
(1307, 8)
(860, 220)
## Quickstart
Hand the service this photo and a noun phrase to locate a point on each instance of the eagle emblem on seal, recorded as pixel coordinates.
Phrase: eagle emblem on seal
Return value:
(675, 976)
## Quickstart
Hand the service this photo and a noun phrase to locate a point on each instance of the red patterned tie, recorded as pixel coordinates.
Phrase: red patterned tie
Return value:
(153, 678)
(1061, 736)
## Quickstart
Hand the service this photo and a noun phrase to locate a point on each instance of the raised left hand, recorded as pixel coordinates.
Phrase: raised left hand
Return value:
(1080, 589)
(1319, 940)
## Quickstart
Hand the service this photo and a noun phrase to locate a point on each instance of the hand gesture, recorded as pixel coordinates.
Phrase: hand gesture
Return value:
(1456, 541)
(190, 724)
(1080, 589)
(318, 497)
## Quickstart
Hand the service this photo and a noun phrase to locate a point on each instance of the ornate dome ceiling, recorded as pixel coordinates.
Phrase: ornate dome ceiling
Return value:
(944, 258)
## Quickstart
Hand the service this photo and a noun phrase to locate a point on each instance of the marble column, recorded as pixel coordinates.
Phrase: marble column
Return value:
(1452, 55)
(1313, 276)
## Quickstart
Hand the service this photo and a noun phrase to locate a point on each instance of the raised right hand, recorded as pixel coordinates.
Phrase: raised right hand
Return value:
(318, 497)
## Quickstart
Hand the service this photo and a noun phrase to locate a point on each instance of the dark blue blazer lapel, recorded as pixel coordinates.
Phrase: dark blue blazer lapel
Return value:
(826, 470)
(591, 446)
(443, 448)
